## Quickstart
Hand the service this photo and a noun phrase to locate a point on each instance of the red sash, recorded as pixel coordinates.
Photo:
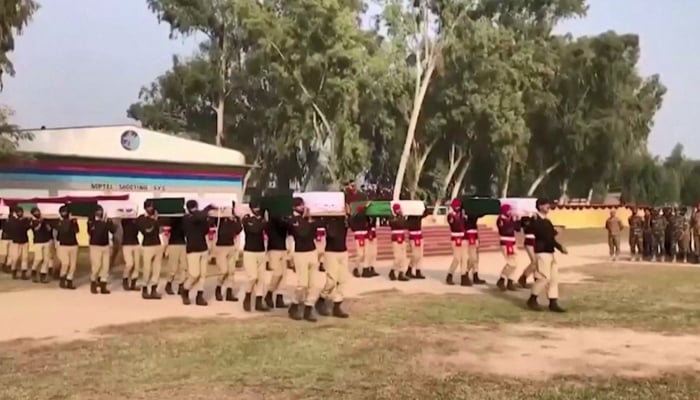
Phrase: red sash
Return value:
(211, 234)
(510, 249)
(360, 241)
(458, 241)
(471, 238)
(416, 237)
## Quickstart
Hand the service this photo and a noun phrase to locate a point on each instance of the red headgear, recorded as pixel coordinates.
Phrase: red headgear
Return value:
(505, 208)
(456, 203)
(360, 208)
(396, 207)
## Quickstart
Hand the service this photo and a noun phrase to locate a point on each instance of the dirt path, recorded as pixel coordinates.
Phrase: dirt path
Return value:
(540, 353)
(66, 315)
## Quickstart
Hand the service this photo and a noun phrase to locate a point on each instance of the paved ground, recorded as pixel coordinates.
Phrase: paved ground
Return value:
(64, 315)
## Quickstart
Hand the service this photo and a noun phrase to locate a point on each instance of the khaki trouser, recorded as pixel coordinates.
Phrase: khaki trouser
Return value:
(152, 264)
(360, 259)
(68, 257)
(531, 268)
(473, 257)
(546, 276)
(337, 275)
(132, 261)
(177, 262)
(696, 243)
(400, 257)
(289, 256)
(197, 264)
(19, 255)
(614, 244)
(226, 257)
(5, 251)
(99, 263)
(54, 262)
(42, 257)
(306, 266)
(321, 249)
(460, 256)
(278, 265)
(371, 252)
(416, 258)
(254, 266)
(510, 259)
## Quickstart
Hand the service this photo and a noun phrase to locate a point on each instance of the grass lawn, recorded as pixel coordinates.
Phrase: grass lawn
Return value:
(393, 347)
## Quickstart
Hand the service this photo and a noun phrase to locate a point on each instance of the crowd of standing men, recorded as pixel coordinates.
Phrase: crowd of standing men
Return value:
(660, 234)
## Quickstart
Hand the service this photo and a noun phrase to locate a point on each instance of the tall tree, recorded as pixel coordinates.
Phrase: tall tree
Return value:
(14, 17)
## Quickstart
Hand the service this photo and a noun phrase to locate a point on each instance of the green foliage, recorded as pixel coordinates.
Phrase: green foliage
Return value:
(14, 17)
(313, 97)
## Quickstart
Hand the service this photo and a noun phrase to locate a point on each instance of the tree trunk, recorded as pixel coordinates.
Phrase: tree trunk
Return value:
(541, 178)
(419, 164)
(564, 197)
(220, 122)
(221, 101)
(454, 163)
(421, 89)
(506, 183)
(460, 178)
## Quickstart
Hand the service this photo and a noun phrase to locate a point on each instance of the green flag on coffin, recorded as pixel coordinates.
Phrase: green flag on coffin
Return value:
(480, 206)
(86, 209)
(169, 205)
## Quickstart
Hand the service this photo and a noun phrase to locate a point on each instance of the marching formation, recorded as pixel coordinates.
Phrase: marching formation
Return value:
(309, 249)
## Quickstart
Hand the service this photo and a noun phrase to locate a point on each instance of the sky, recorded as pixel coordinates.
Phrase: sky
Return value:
(82, 62)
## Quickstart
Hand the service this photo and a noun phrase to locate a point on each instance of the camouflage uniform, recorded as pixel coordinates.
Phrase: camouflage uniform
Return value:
(671, 231)
(648, 237)
(683, 235)
(659, 224)
(695, 226)
(636, 224)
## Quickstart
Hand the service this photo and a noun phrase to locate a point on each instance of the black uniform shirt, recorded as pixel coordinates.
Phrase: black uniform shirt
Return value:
(304, 232)
(196, 227)
(99, 231)
(254, 227)
(5, 233)
(228, 229)
(545, 235)
(276, 230)
(150, 230)
(130, 232)
(19, 228)
(177, 232)
(336, 234)
(66, 231)
(43, 233)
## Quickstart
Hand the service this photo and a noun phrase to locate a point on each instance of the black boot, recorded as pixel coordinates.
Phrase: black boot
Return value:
(356, 272)
(511, 285)
(554, 306)
(185, 295)
(477, 280)
(230, 296)
(154, 293)
(62, 283)
(44, 278)
(260, 304)
(321, 307)
(268, 301)
(69, 284)
(93, 287)
(103, 288)
(279, 301)
(419, 275)
(522, 281)
(169, 288)
(409, 273)
(6, 269)
(532, 303)
(199, 300)
(295, 312)
(366, 273)
(501, 284)
(392, 275)
(15, 274)
(465, 281)
(449, 280)
(218, 295)
(132, 286)
(338, 310)
(309, 314)
(402, 277)
(246, 302)
(144, 293)
(180, 288)
(373, 272)
(25, 275)
(35, 277)
(125, 284)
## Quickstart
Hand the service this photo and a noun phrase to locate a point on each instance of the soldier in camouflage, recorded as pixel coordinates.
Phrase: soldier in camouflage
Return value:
(636, 224)
(695, 226)
(684, 237)
(647, 238)
(659, 223)
(670, 237)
